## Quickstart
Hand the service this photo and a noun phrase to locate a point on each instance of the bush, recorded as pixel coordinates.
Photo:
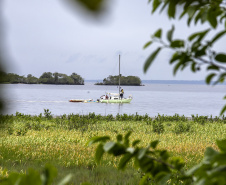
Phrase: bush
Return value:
(158, 127)
(182, 127)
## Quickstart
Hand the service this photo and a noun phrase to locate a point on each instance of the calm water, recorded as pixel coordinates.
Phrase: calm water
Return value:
(151, 99)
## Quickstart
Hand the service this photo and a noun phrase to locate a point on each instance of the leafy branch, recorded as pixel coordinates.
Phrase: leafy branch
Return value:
(158, 166)
(194, 52)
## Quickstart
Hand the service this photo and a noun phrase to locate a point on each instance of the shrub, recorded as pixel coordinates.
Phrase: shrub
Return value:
(182, 127)
(158, 127)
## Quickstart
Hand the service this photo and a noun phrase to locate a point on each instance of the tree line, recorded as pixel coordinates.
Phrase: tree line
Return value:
(45, 78)
(124, 80)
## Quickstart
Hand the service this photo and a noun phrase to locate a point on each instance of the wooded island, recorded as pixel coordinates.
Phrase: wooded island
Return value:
(45, 78)
(124, 80)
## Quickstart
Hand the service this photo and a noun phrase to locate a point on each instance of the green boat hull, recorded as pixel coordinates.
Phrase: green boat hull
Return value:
(128, 100)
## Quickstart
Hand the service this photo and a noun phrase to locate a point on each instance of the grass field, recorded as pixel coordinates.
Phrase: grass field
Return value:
(32, 141)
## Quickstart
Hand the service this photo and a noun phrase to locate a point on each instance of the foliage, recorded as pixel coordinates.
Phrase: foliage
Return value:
(47, 114)
(158, 127)
(182, 128)
(45, 78)
(124, 80)
(195, 52)
(157, 165)
(46, 177)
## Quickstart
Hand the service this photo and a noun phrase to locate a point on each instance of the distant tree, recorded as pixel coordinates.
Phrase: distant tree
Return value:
(124, 80)
(77, 79)
(14, 78)
(46, 78)
(56, 74)
(31, 79)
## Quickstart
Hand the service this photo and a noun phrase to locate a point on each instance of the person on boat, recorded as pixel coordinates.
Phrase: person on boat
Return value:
(121, 93)
(106, 97)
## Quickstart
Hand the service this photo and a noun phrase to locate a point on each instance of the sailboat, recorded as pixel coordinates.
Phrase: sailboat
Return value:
(115, 97)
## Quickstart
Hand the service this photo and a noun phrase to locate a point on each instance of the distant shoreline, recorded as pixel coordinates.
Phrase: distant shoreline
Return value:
(144, 82)
(184, 82)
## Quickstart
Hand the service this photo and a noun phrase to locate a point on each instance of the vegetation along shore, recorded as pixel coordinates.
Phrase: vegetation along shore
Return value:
(45, 78)
(124, 80)
(33, 141)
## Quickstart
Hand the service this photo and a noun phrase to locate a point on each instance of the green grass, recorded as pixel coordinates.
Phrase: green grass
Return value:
(27, 141)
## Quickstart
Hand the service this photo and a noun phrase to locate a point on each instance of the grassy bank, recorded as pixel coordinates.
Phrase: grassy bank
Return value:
(32, 141)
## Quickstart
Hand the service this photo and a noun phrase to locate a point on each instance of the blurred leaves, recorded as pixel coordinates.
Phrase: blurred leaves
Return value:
(159, 167)
(94, 5)
(197, 50)
(34, 177)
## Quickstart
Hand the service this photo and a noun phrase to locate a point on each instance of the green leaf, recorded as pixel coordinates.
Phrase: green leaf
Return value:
(164, 154)
(147, 44)
(212, 18)
(177, 66)
(151, 59)
(49, 173)
(172, 9)
(158, 33)
(177, 44)
(65, 180)
(175, 57)
(98, 139)
(177, 162)
(191, 12)
(222, 145)
(170, 34)
(93, 6)
(119, 138)
(220, 34)
(212, 67)
(209, 77)
(155, 5)
(141, 153)
(135, 143)
(33, 177)
(154, 144)
(204, 16)
(124, 160)
(221, 57)
(99, 152)
(200, 35)
(193, 169)
(108, 146)
(198, 16)
(193, 67)
(209, 155)
(223, 110)
(126, 139)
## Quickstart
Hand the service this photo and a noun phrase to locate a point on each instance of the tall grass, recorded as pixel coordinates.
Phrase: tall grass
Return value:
(31, 141)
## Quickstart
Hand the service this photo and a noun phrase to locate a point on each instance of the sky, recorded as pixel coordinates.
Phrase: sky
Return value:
(48, 36)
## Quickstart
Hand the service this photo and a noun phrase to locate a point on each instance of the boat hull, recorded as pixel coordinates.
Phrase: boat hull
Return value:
(127, 100)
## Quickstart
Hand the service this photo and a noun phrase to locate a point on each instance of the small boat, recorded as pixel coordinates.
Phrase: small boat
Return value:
(115, 97)
(81, 100)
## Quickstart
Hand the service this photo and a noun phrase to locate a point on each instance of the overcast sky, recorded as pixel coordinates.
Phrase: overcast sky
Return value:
(47, 36)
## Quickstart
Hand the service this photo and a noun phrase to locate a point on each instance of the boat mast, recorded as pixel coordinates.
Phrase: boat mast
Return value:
(119, 76)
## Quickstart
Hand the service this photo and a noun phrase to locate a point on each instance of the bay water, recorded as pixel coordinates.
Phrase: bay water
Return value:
(151, 99)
